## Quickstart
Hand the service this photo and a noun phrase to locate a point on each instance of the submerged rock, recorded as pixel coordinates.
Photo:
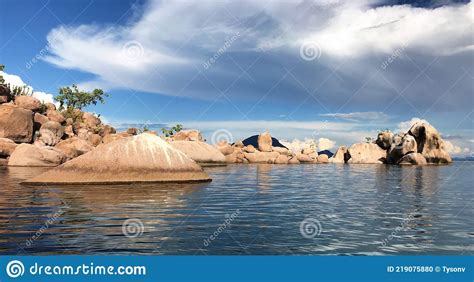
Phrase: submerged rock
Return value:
(140, 158)
(200, 152)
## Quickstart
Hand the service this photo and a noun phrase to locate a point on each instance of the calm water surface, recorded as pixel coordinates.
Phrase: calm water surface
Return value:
(248, 209)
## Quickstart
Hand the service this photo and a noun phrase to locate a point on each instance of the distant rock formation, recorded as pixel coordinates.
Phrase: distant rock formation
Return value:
(200, 152)
(140, 158)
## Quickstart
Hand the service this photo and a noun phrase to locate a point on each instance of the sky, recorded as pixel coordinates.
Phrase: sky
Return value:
(337, 70)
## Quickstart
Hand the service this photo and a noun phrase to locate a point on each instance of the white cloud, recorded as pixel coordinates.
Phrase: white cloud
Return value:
(45, 97)
(163, 51)
(325, 144)
(15, 80)
(454, 149)
(404, 126)
(358, 116)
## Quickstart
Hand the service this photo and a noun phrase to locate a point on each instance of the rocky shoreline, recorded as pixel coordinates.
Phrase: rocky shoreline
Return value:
(37, 134)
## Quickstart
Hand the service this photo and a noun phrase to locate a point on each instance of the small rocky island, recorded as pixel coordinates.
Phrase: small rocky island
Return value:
(84, 150)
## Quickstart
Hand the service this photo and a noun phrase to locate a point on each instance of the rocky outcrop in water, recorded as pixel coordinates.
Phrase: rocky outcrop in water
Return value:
(200, 152)
(140, 158)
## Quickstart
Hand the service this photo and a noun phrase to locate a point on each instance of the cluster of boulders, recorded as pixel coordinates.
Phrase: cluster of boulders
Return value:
(421, 145)
(37, 134)
(266, 153)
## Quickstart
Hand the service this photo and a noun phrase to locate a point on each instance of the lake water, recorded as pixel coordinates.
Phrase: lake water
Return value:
(248, 210)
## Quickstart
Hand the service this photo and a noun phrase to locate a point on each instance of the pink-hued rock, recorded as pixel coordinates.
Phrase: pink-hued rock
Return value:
(16, 123)
(51, 133)
(188, 135)
(200, 152)
(366, 153)
(140, 158)
(74, 147)
(265, 142)
(33, 155)
(40, 119)
(28, 102)
(7, 147)
(56, 116)
(90, 120)
(429, 143)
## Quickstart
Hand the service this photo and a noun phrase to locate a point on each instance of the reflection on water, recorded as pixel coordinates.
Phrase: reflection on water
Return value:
(362, 209)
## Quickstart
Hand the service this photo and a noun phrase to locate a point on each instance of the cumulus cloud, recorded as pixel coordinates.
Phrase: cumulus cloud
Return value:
(454, 149)
(325, 144)
(15, 80)
(165, 51)
(404, 126)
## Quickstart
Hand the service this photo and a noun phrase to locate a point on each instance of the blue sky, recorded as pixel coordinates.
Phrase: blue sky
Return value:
(334, 69)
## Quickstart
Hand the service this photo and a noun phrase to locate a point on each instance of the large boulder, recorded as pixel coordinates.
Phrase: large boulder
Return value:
(282, 159)
(384, 139)
(54, 115)
(225, 148)
(366, 153)
(28, 102)
(322, 159)
(265, 142)
(188, 135)
(33, 155)
(200, 152)
(74, 147)
(261, 157)
(412, 159)
(106, 130)
(40, 119)
(7, 147)
(16, 123)
(405, 146)
(339, 156)
(140, 158)
(303, 158)
(429, 143)
(90, 120)
(51, 133)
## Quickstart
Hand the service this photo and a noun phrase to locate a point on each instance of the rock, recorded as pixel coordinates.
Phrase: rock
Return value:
(384, 139)
(261, 157)
(188, 135)
(281, 150)
(429, 143)
(28, 102)
(293, 160)
(94, 139)
(68, 130)
(111, 137)
(33, 155)
(226, 149)
(106, 130)
(74, 147)
(200, 152)
(16, 123)
(5, 94)
(235, 157)
(40, 119)
(51, 133)
(50, 106)
(322, 159)
(7, 147)
(140, 158)
(313, 156)
(308, 151)
(83, 133)
(413, 159)
(282, 159)
(264, 142)
(239, 144)
(406, 145)
(249, 149)
(56, 116)
(132, 131)
(339, 156)
(304, 158)
(366, 153)
(90, 120)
